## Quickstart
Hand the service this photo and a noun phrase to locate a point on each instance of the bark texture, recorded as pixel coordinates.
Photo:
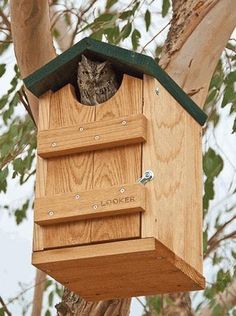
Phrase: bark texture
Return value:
(197, 37)
(74, 305)
(38, 293)
(30, 26)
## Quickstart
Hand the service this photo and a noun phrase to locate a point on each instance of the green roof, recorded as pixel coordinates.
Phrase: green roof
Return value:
(63, 69)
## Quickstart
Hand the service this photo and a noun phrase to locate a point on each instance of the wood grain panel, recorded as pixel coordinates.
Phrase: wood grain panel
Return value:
(92, 136)
(70, 173)
(67, 207)
(41, 169)
(106, 271)
(173, 152)
(119, 165)
(85, 171)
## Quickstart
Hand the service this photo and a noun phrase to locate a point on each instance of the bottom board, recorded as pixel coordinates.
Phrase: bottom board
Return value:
(119, 269)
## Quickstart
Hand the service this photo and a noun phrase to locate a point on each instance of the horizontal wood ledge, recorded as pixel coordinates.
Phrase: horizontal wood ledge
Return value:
(92, 136)
(117, 200)
(119, 269)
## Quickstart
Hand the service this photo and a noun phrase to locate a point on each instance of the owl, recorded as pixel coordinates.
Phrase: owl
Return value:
(97, 81)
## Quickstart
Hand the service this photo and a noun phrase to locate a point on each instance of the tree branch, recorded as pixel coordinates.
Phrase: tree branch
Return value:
(30, 24)
(5, 20)
(4, 307)
(192, 53)
(227, 298)
(38, 293)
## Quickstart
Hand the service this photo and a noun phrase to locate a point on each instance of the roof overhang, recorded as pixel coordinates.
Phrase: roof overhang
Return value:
(63, 69)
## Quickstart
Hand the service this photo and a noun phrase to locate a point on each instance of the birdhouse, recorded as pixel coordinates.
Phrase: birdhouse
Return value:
(118, 202)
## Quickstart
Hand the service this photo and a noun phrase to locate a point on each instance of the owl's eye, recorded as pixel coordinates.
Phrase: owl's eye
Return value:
(85, 72)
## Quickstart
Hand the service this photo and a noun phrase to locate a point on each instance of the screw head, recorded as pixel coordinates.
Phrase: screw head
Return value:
(124, 122)
(50, 213)
(97, 137)
(53, 144)
(122, 190)
(81, 129)
(157, 91)
(95, 206)
(148, 174)
(77, 196)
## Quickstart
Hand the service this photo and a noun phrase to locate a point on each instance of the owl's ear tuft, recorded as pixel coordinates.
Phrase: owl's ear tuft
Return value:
(84, 59)
(104, 64)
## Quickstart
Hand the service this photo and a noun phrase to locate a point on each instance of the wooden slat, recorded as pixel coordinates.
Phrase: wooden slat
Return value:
(118, 200)
(92, 136)
(93, 170)
(173, 152)
(119, 269)
(41, 169)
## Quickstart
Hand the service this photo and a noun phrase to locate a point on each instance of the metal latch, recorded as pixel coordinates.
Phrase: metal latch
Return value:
(148, 176)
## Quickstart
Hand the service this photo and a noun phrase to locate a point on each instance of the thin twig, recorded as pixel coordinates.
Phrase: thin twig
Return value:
(152, 39)
(4, 307)
(24, 100)
(5, 20)
(83, 12)
(221, 228)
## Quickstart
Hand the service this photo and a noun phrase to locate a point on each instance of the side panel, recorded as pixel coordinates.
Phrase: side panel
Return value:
(174, 197)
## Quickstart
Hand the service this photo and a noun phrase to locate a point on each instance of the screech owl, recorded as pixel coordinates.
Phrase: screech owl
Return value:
(97, 81)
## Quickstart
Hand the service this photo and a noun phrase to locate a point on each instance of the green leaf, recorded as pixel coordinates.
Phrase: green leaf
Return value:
(105, 17)
(18, 165)
(112, 34)
(3, 174)
(229, 95)
(48, 313)
(223, 279)
(126, 30)
(217, 310)
(209, 193)
(212, 163)
(211, 96)
(50, 298)
(165, 7)
(147, 18)
(20, 213)
(3, 101)
(135, 7)
(231, 78)
(2, 69)
(210, 292)
(2, 313)
(47, 284)
(205, 240)
(233, 254)
(216, 259)
(135, 39)
(3, 180)
(155, 302)
(126, 14)
(110, 3)
(97, 35)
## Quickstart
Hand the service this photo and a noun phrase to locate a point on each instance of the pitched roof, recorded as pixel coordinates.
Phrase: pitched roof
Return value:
(62, 70)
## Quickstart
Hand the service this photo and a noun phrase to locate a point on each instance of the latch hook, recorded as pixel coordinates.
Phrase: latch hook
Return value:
(148, 176)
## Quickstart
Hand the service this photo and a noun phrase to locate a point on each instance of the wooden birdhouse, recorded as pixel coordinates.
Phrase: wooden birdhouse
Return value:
(118, 206)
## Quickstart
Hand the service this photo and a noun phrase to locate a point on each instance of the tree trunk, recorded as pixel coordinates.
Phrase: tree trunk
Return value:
(30, 27)
(38, 293)
(74, 305)
(198, 34)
